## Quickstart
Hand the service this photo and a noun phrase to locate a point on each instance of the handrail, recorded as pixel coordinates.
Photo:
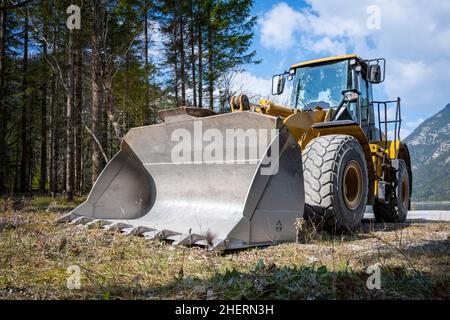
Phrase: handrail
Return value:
(397, 122)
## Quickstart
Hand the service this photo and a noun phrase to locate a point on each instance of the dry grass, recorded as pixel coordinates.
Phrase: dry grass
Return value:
(35, 254)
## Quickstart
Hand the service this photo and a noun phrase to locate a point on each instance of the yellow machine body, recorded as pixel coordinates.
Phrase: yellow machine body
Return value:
(300, 124)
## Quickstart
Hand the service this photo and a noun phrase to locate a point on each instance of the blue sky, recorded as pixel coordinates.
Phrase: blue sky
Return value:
(273, 61)
(413, 35)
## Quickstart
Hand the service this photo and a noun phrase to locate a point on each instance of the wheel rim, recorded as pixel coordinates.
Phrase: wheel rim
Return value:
(352, 185)
(405, 192)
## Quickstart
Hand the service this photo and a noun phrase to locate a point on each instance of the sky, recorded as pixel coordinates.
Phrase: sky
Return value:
(413, 36)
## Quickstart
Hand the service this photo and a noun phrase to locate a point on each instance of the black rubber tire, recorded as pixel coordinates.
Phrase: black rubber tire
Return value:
(395, 210)
(324, 161)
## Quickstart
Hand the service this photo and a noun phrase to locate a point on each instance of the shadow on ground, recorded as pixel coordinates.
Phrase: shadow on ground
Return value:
(270, 282)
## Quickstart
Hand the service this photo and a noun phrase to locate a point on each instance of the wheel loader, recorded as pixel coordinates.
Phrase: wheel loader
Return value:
(333, 151)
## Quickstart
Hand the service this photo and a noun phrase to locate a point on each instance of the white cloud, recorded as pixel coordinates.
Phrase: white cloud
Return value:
(326, 45)
(251, 85)
(156, 47)
(409, 126)
(279, 25)
(257, 88)
(414, 37)
(414, 124)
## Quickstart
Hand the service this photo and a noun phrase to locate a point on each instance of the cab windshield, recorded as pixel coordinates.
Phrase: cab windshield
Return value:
(320, 85)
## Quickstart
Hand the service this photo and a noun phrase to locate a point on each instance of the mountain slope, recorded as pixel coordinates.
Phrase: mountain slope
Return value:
(429, 145)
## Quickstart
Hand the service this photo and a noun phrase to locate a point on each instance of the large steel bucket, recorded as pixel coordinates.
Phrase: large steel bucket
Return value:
(251, 196)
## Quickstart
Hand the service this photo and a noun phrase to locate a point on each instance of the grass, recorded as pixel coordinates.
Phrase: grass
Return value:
(35, 254)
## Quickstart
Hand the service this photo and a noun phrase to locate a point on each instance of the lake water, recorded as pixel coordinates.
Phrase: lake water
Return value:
(441, 206)
(431, 205)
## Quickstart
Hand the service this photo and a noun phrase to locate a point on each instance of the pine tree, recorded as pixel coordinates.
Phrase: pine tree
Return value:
(67, 97)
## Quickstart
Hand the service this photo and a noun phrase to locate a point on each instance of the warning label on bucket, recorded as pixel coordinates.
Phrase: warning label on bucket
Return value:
(279, 226)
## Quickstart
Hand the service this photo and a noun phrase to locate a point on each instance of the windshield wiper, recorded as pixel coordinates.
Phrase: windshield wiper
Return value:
(299, 87)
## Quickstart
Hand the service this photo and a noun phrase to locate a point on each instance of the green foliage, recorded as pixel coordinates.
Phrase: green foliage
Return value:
(226, 32)
(133, 84)
(232, 27)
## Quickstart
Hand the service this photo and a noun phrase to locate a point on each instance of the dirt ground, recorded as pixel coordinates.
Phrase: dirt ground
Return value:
(40, 259)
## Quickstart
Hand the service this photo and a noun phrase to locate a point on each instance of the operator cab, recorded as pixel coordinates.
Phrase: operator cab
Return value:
(323, 83)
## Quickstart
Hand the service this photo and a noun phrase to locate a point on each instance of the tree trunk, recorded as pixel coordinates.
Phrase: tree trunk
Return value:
(53, 161)
(147, 115)
(191, 31)
(17, 124)
(84, 155)
(210, 67)
(3, 157)
(182, 56)
(109, 104)
(97, 116)
(200, 67)
(58, 143)
(53, 102)
(23, 130)
(43, 169)
(70, 170)
(174, 41)
(104, 100)
(77, 118)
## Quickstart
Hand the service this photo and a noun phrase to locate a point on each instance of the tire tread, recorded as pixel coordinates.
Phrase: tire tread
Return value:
(320, 160)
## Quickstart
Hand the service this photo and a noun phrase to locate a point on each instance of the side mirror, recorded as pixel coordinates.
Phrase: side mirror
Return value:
(350, 96)
(278, 83)
(376, 71)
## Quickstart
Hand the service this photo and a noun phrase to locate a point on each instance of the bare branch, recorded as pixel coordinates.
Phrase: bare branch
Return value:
(55, 64)
(96, 141)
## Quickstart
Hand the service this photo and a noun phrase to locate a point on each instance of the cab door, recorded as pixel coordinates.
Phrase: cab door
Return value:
(367, 119)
